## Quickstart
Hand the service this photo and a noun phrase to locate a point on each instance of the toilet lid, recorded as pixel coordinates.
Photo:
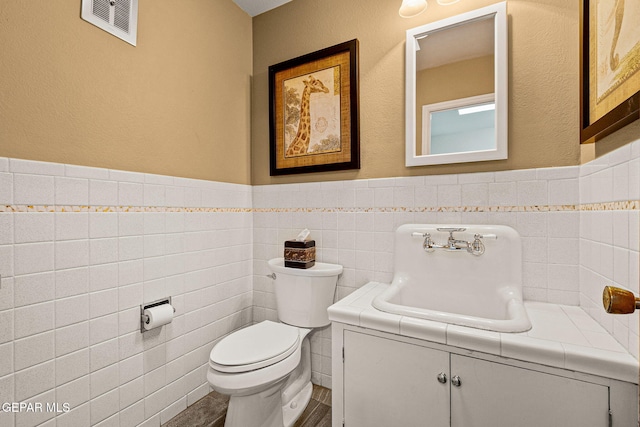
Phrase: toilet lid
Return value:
(255, 347)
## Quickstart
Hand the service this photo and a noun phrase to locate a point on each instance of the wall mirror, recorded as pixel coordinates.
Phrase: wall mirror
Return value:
(456, 83)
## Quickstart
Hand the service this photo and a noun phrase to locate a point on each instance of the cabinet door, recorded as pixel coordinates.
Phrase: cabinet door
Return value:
(388, 383)
(491, 394)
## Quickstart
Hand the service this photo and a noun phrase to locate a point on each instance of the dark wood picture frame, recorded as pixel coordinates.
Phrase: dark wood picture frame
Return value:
(616, 117)
(313, 112)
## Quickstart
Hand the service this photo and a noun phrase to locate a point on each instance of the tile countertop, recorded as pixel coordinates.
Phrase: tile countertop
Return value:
(561, 336)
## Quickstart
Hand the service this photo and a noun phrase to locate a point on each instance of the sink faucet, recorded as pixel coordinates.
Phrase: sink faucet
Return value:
(476, 247)
(454, 244)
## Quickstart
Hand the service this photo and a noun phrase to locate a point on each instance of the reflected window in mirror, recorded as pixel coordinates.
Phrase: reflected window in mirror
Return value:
(451, 64)
(466, 124)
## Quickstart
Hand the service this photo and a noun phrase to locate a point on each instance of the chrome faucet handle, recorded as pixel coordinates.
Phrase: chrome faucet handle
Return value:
(427, 245)
(476, 247)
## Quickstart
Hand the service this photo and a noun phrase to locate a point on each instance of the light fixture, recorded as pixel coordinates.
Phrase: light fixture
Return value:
(411, 8)
(477, 109)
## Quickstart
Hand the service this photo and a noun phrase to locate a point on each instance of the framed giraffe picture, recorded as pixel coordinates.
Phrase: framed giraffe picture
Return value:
(313, 112)
(610, 67)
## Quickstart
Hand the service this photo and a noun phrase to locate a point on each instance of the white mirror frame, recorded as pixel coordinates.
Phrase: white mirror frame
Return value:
(499, 13)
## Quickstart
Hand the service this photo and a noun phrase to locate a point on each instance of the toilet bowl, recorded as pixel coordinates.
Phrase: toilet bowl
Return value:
(266, 368)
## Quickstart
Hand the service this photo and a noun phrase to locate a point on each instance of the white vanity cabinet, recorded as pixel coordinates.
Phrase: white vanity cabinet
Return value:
(391, 380)
(392, 383)
(490, 391)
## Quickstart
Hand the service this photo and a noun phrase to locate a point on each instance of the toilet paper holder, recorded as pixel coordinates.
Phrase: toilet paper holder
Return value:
(144, 318)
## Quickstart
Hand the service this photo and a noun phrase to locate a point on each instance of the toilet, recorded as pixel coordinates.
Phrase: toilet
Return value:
(266, 368)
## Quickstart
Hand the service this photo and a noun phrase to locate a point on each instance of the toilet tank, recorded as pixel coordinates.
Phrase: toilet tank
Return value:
(303, 295)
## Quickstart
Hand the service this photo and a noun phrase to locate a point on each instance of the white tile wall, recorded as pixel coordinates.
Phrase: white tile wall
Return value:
(79, 253)
(609, 249)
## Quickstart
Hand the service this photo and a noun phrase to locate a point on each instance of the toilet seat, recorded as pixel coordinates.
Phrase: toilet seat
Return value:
(255, 347)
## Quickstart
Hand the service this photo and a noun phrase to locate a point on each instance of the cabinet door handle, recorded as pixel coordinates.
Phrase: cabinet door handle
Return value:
(456, 381)
(442, 378)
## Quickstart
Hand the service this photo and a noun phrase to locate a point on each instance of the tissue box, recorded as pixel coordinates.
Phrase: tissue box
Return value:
(299, 254)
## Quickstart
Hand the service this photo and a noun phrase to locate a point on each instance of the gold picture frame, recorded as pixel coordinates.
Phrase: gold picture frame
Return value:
(610, 67)
(313, 112)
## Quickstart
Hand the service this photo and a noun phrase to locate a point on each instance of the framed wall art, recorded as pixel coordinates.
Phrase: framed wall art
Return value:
(610, 67)
(313, 112)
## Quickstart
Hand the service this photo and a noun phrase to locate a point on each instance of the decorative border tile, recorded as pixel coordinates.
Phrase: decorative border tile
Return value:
(56, 208)
(630, 205)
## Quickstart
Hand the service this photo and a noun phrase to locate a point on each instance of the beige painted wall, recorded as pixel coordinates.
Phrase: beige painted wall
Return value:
(177, 104)
(543, 80)
(462, 79)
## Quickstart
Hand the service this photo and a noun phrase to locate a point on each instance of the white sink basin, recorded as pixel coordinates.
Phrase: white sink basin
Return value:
(502, 312)
(457, 287)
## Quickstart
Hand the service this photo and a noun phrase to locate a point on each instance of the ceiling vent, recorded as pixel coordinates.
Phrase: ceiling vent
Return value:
(118, 17)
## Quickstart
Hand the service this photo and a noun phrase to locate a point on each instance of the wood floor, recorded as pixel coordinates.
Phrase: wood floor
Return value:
(211, 410)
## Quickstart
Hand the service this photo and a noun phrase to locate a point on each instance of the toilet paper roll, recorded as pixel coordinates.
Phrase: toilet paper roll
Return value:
(158, 316)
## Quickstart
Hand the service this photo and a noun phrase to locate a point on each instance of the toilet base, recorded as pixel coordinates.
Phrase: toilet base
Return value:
(292, 410)
(266, 408)
(271, 412)
(296, 393)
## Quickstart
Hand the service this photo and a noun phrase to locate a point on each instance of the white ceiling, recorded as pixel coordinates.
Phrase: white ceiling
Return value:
(256, 7)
